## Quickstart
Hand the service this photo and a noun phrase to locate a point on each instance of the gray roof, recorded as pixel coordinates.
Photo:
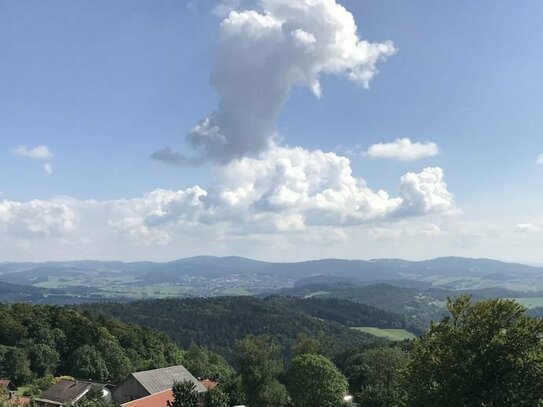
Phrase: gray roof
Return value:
(158, 380)
(65, 391)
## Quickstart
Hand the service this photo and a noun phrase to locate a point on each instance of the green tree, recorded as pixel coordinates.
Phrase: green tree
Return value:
(234, 389)
(44, 360)
(217, 398)
(259, 362)
(118, 364)
(16, 366)
(206, 364)
(487, 353)
(314, 381)
(375, 376)
(306, 344)
(39, 385)
(88, 363)
(184, 395)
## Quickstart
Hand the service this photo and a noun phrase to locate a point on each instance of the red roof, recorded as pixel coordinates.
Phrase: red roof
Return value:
(209, 384)
(154, 400)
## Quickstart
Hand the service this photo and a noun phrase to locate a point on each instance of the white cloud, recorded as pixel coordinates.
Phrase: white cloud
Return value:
(528, 228)
(262, 55)
(41, 152)
(286, 190)
(403, 149)
(35, 219)
(540, 159)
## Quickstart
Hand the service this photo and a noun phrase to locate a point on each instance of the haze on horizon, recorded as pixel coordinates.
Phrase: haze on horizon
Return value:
(277, 129)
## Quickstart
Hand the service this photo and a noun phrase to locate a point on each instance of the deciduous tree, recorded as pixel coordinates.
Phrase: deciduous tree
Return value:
(487, 353)
(314, 381)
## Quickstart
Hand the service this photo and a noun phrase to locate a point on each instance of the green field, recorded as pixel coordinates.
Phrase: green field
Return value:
(236, 291)
(530, 302)
(392, 334)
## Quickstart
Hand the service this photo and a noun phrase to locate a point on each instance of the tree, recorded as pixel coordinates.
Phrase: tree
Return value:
(217, 398)
(88, 363)
(314, 381)
(44, 360)
(118, 364)
(234, 390)
(184, 395)
(16, 366)
(206, 364)
(487, 353)
(375, 376)
(258, 358)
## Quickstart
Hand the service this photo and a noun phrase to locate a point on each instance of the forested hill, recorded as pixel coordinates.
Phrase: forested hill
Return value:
(37, 340)
(216, 323)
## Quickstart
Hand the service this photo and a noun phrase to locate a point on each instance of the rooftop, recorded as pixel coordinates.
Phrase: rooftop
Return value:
(65, 391)
(154, 400)
(158, 380)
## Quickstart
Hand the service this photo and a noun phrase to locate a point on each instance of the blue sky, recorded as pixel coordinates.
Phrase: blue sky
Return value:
(104, 84)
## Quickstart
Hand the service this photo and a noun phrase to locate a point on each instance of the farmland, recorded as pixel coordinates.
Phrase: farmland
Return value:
(392, 334)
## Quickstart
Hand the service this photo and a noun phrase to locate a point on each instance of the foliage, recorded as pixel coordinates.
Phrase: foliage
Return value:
(321, 345)
(206, 364)
(217, 398)
(6, 402)
(484, 354)
(14, 364)
(88, 363)
(38, 341)
(314, 381)
(375, 376)
(39, 385)
(233, 388)
(85, 402)
(217, 323)
(258, 358)
(184, 394)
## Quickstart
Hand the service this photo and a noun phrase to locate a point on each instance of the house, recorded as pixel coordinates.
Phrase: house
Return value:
(154, 400)
(67, 392)
(147, 383)
(7, 385)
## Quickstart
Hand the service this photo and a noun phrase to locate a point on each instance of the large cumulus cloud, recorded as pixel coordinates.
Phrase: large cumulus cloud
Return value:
(261, 55)
(35, 219)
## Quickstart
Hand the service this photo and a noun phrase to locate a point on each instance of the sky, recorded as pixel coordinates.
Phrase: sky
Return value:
(277, 129)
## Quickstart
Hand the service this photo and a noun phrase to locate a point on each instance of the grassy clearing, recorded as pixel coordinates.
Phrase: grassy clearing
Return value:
(236, 291)
(392, 334)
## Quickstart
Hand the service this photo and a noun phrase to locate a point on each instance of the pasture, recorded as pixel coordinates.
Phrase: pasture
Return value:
(392, 334)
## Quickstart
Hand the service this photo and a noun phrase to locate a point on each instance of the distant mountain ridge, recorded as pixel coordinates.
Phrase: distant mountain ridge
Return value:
(338, 267)
(256, 276)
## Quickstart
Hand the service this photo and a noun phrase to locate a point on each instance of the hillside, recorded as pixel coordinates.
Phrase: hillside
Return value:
(39, 340)
(216, 323)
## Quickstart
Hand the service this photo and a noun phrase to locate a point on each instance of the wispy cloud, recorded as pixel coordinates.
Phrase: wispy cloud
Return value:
(540, 160)
(41, 152)
(403, 149)
(170, 156)
(48, 168)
